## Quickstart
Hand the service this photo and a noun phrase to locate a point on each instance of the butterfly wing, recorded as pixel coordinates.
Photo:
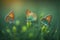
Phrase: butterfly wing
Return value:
(30, 15)
(48, 18)
(46, 21)
(28, 12)
(10, 17)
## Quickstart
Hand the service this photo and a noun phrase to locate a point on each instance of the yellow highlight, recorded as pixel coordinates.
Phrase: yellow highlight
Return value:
(24, 29)
(44, 28)
(14, 28)
(29, 24)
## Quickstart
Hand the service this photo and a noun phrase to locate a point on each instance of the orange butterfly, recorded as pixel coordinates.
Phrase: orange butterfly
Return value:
(46, 20)
(28, 12)
(10, 16)
(30, 15)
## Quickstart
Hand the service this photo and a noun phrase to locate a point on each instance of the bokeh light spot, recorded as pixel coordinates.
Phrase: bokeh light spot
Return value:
(14, 28)
(8, 30)
(44, 28)
(29, 24)
(24, 29)
(17, 22)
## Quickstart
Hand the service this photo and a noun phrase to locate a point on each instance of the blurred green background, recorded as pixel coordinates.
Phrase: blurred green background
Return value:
(20, 30)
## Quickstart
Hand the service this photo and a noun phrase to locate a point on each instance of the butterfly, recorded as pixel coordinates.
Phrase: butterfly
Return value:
(10, 17)
(46, 20)
(30, 15)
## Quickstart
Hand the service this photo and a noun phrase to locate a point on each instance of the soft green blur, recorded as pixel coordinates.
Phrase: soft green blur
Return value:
(20, 29)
